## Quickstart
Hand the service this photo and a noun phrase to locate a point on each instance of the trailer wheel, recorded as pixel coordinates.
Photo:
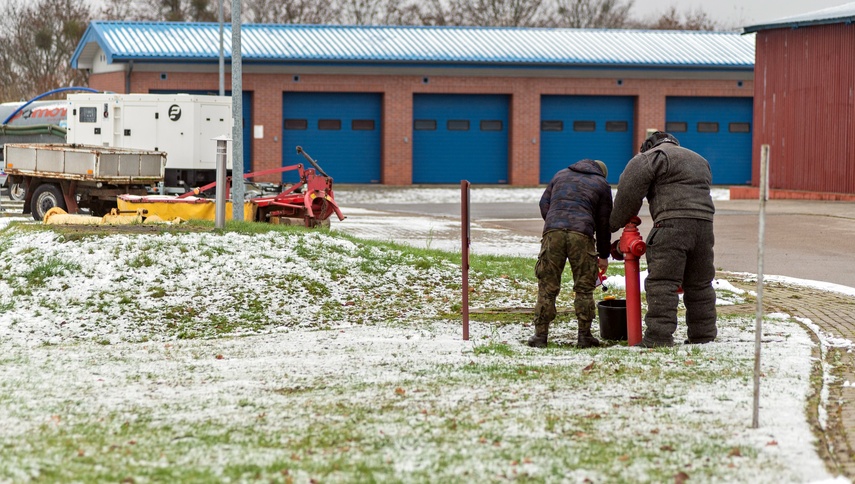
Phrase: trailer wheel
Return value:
(45, 198)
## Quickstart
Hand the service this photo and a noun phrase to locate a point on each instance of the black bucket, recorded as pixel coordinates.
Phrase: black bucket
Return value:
(612, 314)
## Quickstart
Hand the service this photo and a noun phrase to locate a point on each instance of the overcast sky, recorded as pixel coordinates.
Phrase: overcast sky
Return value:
(736, 13)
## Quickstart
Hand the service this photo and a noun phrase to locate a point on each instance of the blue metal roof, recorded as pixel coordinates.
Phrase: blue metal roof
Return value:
(833, 15)
(383, 45)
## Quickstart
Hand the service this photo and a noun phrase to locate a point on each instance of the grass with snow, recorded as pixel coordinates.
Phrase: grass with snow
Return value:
(286, 355)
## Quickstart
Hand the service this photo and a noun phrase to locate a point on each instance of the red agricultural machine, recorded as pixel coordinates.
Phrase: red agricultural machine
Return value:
(311, 202)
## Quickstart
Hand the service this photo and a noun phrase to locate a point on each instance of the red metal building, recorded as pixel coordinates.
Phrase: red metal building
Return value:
(804, 105)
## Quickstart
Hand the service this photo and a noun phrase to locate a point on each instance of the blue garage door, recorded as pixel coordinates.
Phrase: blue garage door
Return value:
(719, 128)
(247, 118)
(341, 131)
(460, 137)
(577, 127)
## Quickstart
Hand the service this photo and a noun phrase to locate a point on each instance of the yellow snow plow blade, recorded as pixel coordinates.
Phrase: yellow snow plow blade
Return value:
(169, 208)
(58, 216)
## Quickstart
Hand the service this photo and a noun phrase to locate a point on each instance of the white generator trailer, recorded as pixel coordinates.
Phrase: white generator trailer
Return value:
(180, 125)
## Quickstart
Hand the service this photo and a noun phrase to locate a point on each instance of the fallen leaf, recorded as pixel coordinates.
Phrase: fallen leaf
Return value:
(689, 362)
(350, 303)
(667, 448)
(400, 391)
(588, 368)
(772, 442)
(680, 477)
(735, 452)
(623, 458)
(593, 416)
(219, 357)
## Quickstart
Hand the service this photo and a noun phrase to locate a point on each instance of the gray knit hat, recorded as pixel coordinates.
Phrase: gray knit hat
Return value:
(657, 138)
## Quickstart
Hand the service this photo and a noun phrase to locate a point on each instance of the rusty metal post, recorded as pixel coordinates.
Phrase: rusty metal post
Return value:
(464, 253)
(222, 187)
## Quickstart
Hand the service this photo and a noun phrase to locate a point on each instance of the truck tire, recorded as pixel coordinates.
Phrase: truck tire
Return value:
(17, 192)
(45, 198)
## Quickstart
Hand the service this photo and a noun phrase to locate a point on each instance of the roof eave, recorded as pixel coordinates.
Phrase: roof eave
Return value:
(430, 63)
(795, 25)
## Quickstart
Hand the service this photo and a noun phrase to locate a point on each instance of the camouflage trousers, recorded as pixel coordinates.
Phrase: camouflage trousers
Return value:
(556, 249)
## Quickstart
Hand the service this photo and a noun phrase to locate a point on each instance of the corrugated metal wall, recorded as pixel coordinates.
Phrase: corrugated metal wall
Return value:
(804, 107)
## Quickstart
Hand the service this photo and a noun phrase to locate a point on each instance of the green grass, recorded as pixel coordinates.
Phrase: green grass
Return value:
(40, 272)
(239, 390)
(339, 429)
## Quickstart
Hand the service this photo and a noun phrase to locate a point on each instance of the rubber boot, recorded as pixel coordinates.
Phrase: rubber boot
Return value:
(586, 340)
(541, 333)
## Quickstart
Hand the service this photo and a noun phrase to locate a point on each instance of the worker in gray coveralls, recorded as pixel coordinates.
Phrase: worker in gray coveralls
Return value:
(575, 205)
(676, 182)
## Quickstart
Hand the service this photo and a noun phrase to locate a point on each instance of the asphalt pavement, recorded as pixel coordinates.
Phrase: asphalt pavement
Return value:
(804, 239)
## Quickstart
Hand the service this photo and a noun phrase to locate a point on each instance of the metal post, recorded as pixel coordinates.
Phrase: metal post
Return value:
(222, 60)
(758, 324)
(465, 236)
(222, 189)
(237, 115)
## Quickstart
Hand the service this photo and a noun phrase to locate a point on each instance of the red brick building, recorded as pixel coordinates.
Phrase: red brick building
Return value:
(404, 105)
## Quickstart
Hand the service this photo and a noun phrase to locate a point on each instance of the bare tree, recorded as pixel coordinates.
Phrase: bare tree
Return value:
(379, 12)
(600, 14)
(496, 13)
(436, 12)
(37, 40)
(289, 11)
(169, 10)
(672, 19)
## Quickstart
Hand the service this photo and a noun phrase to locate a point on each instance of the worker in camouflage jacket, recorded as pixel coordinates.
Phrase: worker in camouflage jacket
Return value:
(575, 206)
(676, 182)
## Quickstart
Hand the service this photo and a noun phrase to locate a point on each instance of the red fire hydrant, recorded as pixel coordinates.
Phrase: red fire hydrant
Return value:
(632, 246)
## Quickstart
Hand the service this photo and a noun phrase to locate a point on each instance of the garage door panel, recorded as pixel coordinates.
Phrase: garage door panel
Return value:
(718, 128)
(577, 127)
(341, 131)
(460, 137)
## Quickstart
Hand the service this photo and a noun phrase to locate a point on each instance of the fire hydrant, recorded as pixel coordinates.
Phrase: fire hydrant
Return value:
(630, 248)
